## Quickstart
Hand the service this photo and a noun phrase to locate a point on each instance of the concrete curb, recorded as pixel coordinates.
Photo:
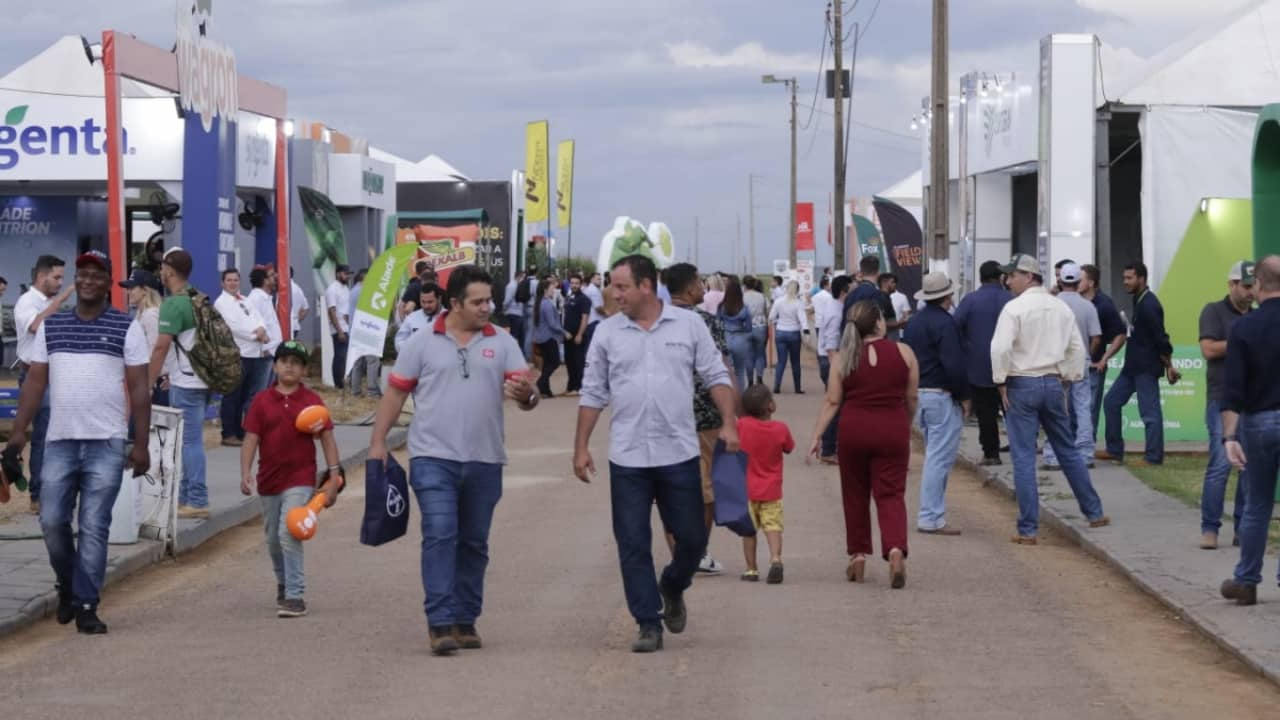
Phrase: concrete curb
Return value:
(150, 552)
(1000, 481)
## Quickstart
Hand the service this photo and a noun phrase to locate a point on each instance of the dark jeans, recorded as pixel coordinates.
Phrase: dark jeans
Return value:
(1099, 381)
(828, 435)
(1260, 436)
(678, 492)
(986, 405)
(457, 500)
(87, 471)
(515, 323)
(550, 351)
(575, 360)
(788, 348)
(254, 374)
(39, 428)
(339, 365)
(1147, 388)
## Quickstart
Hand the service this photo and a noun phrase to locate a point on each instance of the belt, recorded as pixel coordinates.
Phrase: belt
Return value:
(934, 390)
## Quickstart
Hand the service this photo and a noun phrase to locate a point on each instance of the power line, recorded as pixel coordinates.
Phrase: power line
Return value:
(822, 65)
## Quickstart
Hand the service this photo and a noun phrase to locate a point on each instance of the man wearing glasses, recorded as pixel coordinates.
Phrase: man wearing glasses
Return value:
(464, 366)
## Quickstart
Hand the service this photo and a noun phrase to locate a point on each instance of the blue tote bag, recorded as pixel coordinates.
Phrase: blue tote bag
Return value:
(386, 502)
(729, 480)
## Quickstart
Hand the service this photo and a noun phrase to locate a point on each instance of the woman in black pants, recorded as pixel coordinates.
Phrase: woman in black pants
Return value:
(548, 332)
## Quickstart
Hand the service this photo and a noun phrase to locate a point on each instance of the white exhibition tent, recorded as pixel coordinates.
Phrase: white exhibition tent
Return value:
(1199, 102)
(429, 169)
(909, 193)
(65, 66)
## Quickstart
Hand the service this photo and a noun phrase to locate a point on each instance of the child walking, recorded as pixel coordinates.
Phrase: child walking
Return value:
(287, 468)
(765, 441)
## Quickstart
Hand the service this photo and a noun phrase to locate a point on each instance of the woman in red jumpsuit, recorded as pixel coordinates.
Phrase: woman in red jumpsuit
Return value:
(874, 383)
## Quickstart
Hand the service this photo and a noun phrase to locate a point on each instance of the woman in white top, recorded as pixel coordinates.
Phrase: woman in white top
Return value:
(145, 300)
(755, 302)
(714, 296)
(789, 320)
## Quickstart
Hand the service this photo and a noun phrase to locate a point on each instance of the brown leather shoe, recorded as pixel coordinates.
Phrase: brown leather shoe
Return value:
(829, 460)
(467, 637)
(1100, 522)
(1024, 540)
(232, 442)
(1209, 541)
(1241, 593)
(1104, 455)
(945, 530)
(442, 642)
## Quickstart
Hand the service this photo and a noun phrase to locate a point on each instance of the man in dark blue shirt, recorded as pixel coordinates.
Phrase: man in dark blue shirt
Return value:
(976, 319)
(1114, 335)
(1251, 424)
(868, 288)
(577, 315)
(1149, 356)
(944, 397)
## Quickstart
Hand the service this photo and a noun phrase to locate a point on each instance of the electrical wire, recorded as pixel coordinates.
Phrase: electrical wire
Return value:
(822, 65)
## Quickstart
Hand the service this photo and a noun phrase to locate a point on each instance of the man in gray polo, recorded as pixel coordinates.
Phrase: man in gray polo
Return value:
(465, 367)
(641, 363)
(1080, 392)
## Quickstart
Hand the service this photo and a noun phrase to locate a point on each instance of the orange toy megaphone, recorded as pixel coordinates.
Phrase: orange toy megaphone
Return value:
(303, 521)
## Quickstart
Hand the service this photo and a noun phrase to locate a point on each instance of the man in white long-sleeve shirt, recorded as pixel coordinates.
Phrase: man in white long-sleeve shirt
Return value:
(250, 333)
(298, 306)
(1036, 349)
(337, 303)
(263, 282)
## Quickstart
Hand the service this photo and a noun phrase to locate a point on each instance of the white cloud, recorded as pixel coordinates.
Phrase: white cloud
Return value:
(1164, 12)
(747, 56)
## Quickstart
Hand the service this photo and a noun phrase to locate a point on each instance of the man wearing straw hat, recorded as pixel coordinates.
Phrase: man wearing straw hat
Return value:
(944, 397)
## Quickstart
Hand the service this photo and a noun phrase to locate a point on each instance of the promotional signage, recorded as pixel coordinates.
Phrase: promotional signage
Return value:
(378, 299)
(361, 181)
(32, 226)
(564, 183)
(493, 246)
(208, 83)
(537, 184)
(904, 240)
(323, 225)
(46, 137)
(1002, 122)
(629, 237)
(255, 152)
(804, 227)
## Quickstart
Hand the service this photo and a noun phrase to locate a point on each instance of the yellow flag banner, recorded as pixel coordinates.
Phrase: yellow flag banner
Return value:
(537, 184)
(564, 183)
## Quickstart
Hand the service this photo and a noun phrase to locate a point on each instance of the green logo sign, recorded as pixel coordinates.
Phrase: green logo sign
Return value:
(371, 182)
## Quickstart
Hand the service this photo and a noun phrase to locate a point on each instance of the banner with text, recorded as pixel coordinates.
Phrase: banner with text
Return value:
(209, 199)
(537, 184)
(564, 183)
(379, 297)
(804, 227)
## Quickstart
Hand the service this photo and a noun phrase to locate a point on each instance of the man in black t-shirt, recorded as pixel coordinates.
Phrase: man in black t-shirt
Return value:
(577, 316)
(869, 289)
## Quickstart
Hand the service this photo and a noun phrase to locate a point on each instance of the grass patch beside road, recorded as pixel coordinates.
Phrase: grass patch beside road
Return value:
(1182, 477)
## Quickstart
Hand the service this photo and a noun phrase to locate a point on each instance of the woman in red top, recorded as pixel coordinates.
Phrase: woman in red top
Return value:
(875, 393)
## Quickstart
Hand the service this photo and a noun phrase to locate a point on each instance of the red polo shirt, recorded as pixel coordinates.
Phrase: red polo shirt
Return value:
(286, 457)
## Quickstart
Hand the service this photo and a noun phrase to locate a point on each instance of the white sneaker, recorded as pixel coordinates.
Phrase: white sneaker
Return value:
(709, 566)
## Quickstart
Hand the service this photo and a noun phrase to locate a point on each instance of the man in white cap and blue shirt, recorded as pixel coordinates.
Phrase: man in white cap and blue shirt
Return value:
(1037, 349)
(944, 396)
(1079, 394)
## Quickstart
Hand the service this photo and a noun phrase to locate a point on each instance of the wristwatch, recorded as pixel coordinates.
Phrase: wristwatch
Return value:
(1229, 438)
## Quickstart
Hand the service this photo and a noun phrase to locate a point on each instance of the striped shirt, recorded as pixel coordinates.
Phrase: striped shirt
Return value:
(86, 360)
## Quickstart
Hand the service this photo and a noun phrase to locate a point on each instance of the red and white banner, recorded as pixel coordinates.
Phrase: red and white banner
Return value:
(804, 227)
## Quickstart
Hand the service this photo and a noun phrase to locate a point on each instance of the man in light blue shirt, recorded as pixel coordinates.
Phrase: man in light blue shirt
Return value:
(641, 363)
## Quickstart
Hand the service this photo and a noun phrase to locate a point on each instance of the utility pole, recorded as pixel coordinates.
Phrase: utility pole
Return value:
(695, 242)
(837, 45)
(939, 174)
(755, 267)
(751, 221)
(737, 245)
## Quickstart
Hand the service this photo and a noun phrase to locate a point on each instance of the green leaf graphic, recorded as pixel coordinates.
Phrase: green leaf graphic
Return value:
(15, 115)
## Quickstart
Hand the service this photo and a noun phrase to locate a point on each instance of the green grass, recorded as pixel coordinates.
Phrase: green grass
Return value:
(1182, 477)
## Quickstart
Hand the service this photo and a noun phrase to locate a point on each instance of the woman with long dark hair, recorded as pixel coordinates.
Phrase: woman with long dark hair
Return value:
(548, 332)
(874, 386)
(736, 318)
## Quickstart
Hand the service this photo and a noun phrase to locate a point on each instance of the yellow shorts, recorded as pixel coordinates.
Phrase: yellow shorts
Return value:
(767, 516)
(707, 446)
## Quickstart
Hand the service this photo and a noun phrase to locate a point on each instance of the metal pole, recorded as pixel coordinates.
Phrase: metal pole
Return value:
(751, 220)
(939, 223)
(755, 267)
(695, 242)
(837, 44)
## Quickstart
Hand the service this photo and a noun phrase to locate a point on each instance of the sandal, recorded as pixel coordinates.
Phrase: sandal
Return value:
(775, 573)
(750, 576)
(857, 568)
(897, 569)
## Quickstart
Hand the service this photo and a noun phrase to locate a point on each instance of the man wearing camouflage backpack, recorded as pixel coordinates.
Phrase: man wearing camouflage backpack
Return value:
(197, 352)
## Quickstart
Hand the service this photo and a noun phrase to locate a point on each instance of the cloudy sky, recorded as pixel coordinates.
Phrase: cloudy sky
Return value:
(663, 97)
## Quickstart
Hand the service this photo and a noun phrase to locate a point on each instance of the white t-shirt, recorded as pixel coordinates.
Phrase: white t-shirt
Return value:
(260, 302)
(597, 302)
(297, 303)
(29, 306)
(338, 297)
(789, 315)
(243, 321)
(901, 305)
(86, 372)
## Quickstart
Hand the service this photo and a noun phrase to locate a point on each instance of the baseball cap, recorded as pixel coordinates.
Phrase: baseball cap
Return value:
(1242, 271)
(94, 257)
(140, 278)
(1023, 263)
(342, 268)
(294, 349)
(1071, 273)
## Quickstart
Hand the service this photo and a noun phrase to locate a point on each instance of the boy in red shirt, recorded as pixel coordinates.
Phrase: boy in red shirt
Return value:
(765, 441)
(287, 469)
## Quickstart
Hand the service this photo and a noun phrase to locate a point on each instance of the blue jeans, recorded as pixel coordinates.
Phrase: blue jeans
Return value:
(285, 550)
(1260, 435)
(1214, 493)
(678, 492)
(90, 470)
(338, 368)
(942, 420)
(1148, 389)
(192, 491)
(788, 348)
(254, 375)
(515, 323)
(741, 353)
(1080, 406)
(39, 428)
(1097, 382)
(1036, 402)
(457, 500)
(759, 349)
(828, 435)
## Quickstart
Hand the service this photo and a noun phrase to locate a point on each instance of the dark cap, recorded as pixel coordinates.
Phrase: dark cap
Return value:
(94, 257)
(179, 260)
(141, 278)
(294, 349)
(342, 268)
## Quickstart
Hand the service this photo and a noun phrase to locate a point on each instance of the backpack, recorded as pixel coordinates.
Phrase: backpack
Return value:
(214, 355)
(523, 292)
